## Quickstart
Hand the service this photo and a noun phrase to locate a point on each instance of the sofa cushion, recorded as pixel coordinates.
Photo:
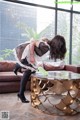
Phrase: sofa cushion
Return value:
(73, 68)
(7, 65)
(9, 77)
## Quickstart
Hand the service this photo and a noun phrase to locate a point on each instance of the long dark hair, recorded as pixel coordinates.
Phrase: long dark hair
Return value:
(57, 47)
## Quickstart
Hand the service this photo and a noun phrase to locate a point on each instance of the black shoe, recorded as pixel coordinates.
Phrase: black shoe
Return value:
(22, 98)
(17, 68)
(15, 71)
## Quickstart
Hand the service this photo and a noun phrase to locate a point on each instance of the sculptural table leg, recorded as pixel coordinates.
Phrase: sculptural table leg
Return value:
(61, 97)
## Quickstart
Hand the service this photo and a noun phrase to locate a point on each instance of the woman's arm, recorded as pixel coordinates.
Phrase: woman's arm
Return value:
(31, 48)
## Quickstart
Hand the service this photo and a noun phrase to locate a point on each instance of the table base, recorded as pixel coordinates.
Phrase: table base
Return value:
(55, 97)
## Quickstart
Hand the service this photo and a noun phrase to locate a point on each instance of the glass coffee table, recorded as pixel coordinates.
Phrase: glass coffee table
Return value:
(56, 93)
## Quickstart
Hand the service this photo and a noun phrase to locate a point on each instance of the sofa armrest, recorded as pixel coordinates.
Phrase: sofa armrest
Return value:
(7, 66)
(73, 68)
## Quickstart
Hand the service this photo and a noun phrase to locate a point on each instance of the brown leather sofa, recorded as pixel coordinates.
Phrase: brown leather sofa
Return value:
(73, 68)
(9, 82)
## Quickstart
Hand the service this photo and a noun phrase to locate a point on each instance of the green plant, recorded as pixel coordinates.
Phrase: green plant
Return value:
(5, 54)
(31, 33)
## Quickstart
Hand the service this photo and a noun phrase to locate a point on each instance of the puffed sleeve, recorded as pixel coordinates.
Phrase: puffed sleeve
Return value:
(41, 49)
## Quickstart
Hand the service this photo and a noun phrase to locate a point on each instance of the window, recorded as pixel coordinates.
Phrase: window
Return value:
(19, 23)
(41, 2)
(22, 19)
(76, 40)
(65, 4)
(64, 29)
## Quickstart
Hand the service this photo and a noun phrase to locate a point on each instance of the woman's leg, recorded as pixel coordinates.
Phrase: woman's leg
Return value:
(23, 84)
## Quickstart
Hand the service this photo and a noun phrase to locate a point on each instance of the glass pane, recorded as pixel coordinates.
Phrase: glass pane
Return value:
(64, 29)
(21, 22)
(65, 4)
(76, 6)
(41, 2)
(76, 39)
(46, 21)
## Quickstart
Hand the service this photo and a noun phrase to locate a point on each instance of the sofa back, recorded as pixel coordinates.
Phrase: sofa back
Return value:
(7, 66)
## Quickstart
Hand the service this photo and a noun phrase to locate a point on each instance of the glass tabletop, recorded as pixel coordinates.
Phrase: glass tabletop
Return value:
(60, 75)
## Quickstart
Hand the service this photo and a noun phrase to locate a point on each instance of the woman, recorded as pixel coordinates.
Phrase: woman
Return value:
(27, 60)
(56, 49)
